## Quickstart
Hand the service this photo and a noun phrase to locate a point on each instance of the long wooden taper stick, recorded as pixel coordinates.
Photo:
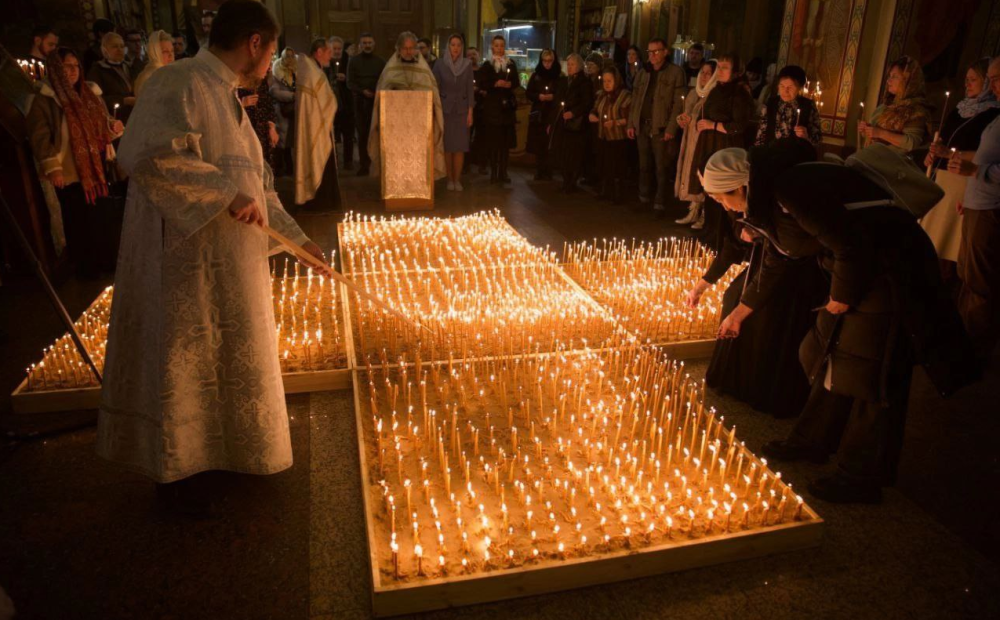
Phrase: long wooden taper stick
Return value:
(323, 268)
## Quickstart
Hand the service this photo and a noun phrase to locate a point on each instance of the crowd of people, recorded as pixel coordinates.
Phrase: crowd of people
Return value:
(850, 277)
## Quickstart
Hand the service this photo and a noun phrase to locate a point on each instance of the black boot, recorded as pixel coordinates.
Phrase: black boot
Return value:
(504, 157)
(788, 451)
(493, 169)
(839, 490)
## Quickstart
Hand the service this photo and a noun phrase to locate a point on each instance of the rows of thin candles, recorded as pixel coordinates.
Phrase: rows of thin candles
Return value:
(307, 321)
(377, 243)
(62, 366)
(480, 465)
(646, 285)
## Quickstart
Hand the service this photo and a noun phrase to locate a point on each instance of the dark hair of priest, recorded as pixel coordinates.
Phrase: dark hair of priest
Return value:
(317, 44)
(238, 20)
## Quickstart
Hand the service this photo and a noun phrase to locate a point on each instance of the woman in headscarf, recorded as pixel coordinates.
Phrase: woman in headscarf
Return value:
(693, 107)
(569, 137)
(885, 311)
(282, 91)
(454, 74)
(760, 367)
(113, 77)
(71, 132)
(543, 85)
(159, 53)
(633, 58)
(725, 122)
(904, 116)
(788, 113)
(961, 132)
(500, 79)
(610, 116)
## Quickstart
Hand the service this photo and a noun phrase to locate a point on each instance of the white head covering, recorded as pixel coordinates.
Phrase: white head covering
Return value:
(725, 171)
(153, 47)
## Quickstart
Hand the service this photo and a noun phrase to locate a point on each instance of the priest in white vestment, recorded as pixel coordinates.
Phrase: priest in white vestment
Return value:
(192, 380)
(407, 70)
(316, 183)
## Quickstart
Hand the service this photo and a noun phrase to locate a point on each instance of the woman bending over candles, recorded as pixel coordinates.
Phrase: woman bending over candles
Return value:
(885, 311)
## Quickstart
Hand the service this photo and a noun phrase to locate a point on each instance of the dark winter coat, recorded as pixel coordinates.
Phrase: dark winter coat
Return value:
(499, 106)
(731, 106)
(543, 113)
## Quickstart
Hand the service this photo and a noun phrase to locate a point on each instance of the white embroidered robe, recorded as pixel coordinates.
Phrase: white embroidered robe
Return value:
(192, 380)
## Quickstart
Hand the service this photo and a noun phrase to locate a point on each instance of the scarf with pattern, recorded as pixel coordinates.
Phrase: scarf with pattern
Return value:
(89, 133)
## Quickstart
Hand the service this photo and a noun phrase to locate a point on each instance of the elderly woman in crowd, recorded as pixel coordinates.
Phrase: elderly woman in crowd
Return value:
(70, 132)
(282, 90)
(113, 77)
(788, 113)
(610, 116)
(454, 74)
(768, 312)
(725, 122)
(961, 132)
(543, 85)
(569, 136)
(159, 53)
(885, 311)
(903, 118)
(694, 105)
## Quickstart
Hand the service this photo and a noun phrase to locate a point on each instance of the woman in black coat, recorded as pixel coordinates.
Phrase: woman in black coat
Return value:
(545, 82)
(726, 121)
(499, 77)
(761, 366)
(569, 132)
(885, 312)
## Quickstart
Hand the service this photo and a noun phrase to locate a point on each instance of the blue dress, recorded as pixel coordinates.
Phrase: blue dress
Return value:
(457, 96)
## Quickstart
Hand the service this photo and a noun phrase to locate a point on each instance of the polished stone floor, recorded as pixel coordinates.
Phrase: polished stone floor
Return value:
(80, 538)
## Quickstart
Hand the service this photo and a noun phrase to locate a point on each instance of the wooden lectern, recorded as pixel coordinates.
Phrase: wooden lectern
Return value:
(406, 144)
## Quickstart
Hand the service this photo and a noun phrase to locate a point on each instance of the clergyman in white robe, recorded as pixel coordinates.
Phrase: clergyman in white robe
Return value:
(315, 108)
(192, 380)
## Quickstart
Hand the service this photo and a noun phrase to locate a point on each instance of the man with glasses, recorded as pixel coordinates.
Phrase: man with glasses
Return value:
(979, 253)
(134, 44)
(363, 72)
(657, 101)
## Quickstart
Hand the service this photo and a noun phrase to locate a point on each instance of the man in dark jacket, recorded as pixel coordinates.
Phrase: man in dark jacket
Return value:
(343, 124)
(657, 101)
(363, 72)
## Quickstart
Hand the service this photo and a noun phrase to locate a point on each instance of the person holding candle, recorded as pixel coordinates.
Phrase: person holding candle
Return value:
(961, 130)
(576, 98)
(70, 131)
(610, 116)
(159, 52)
(725, 122)
(979, 254)
(543, 85)
(633, 59)
(114, 77)
(904, 116)
(694, 104)
(658, 98)
(789, 113)
(885, 311)
(192, 379)
(343, 122)
(454, 73)
(499, 78)
(767, 311)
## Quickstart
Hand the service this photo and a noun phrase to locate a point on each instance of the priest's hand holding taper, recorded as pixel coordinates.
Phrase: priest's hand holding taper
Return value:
(244, 209)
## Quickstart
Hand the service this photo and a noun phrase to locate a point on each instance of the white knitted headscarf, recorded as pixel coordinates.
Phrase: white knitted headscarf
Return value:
(725, 171)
